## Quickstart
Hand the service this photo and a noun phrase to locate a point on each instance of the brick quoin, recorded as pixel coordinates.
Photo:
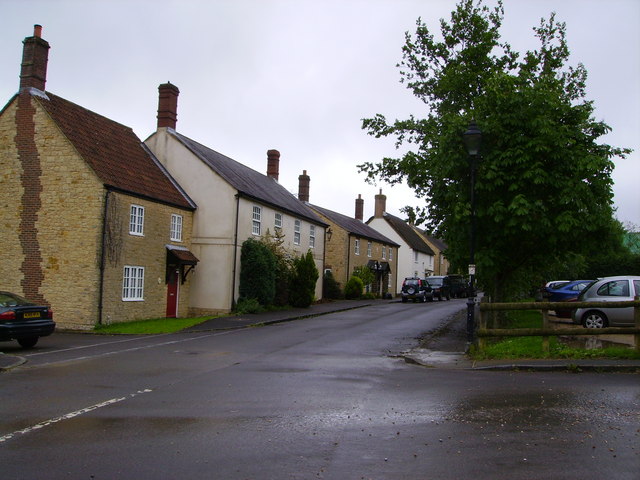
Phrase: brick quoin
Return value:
(30, 179)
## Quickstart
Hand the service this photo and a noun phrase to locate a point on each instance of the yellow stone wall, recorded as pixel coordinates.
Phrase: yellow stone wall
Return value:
(148, 251)
(70, 231)
(10, 194)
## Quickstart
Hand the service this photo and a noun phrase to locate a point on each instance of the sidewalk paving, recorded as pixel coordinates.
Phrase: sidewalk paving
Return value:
(443, 348)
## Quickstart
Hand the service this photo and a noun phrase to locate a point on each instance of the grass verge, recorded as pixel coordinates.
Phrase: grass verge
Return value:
(152, 326)
(531, 347)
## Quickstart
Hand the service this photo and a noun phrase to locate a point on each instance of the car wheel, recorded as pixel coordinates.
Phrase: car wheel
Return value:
(28, 342)
(594, 319)
(448, 297)
(411, 290)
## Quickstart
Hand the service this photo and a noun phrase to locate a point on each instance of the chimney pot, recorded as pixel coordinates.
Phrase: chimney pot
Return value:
(303, 186)
(168, 105)
(37, 31)
(273, 164)
(360, 208)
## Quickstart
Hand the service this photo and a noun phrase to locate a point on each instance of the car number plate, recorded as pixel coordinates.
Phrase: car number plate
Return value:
(32, 315)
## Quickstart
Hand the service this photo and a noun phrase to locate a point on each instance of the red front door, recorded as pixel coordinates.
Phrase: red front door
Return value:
(172, 294)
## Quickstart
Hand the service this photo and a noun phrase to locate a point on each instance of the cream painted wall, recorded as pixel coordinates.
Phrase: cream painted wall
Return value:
(288, 230)
(215, 280)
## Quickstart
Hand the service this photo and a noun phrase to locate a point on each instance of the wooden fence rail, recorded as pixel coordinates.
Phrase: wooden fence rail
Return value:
(487, 309)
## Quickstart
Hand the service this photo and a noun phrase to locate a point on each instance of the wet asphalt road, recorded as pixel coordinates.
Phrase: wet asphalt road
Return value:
(324, 397)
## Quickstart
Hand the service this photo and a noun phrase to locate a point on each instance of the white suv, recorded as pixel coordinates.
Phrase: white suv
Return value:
(608, 289)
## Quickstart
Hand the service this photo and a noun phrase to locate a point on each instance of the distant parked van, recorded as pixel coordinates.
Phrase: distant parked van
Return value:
(458, 286)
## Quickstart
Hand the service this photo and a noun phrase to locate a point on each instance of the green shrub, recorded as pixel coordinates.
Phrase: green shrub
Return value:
(257, 272)
(354, 287)
(248, 305)
(331, 287)
(304, 276)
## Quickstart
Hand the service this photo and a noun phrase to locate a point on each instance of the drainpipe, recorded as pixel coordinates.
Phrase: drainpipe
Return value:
(235, 253)
(102, 256)
(348, 257)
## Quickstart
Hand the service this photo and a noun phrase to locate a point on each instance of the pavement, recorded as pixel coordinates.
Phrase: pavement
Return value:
(444, 347)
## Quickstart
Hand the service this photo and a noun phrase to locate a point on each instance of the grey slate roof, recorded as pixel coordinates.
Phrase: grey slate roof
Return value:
(248, 182)
(408, 234)
(440, 245)
(354, 226)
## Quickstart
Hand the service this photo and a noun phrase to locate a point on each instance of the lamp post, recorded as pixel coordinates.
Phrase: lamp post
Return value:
(472, 141)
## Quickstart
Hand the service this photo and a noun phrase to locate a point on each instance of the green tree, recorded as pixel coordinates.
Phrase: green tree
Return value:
(257, 272)
(303, 281)
(543, 188)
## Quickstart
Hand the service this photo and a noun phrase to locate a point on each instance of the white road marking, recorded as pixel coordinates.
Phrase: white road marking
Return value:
(70, 415)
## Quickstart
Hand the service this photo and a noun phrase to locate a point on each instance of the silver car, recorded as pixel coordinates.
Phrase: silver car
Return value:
(608, 289)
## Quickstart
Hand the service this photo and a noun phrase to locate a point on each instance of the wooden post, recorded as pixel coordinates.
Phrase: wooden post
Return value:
(545, 325)
(482, 343)
(636, 317)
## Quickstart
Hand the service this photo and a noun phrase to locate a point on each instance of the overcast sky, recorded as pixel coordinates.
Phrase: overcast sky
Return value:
(299, 75)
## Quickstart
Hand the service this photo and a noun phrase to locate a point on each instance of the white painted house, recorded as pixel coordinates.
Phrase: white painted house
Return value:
(415, 257)
(235, 203)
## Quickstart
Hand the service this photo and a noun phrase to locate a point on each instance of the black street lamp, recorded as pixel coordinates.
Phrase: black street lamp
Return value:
(472, 141)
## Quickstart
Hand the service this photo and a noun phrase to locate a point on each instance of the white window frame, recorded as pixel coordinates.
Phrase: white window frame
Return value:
(277, 221)
(356, 249)
(136, 220)
(415, 256)
(176, 228)
(390, 253)
(256, 220)
(296, 232)
(369, 249)
(312, 236)
(133, 284)
(384, 252)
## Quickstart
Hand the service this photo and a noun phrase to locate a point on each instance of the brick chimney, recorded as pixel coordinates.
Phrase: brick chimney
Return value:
(381, 205)
(35, 55)
(273, 164)
(303, 186)
(360, 208)
(168, 105)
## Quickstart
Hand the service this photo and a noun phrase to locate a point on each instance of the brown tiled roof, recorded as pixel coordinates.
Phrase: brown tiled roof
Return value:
(114, 152)
(354, 226)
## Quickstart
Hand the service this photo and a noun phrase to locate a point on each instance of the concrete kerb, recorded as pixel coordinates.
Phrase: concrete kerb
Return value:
(271, 318)
(7, 362)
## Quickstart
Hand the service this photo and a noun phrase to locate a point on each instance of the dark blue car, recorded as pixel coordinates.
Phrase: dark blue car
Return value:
(23, 320)
(566, 291)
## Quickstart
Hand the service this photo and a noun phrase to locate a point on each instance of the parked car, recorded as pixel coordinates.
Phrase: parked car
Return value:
(608, 289)
(565, 292)
(555, 283)
(459, 286)
(441, 286)
(415, 289)
(23, 320)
